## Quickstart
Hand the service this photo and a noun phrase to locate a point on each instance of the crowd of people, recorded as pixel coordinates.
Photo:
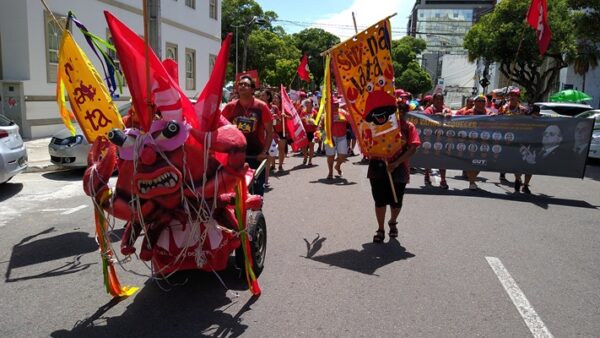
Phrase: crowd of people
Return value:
(260, 116)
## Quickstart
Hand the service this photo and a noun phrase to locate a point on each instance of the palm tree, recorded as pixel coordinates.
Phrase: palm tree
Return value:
(587, 57)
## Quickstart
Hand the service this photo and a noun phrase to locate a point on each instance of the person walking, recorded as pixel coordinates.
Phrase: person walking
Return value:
(437, 108)
(379, 173)
(338, 135)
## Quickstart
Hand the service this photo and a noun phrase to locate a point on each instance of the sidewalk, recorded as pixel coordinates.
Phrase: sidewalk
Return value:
(38, 156)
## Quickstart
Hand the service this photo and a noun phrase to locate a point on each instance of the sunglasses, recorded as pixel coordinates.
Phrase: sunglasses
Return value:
(244, 84)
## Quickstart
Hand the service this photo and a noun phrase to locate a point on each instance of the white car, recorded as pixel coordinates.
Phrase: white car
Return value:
(561, 109)
(595, 144)
(13, 155)
(71, 151)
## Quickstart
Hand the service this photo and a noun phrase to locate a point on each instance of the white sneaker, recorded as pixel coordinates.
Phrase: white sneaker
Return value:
(473, 186)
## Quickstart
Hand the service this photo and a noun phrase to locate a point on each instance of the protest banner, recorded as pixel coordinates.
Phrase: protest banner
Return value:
(294, 125)
(365, 76)
(518, 144)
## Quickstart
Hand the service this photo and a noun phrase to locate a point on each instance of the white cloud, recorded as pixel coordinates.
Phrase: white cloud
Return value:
(367, 13)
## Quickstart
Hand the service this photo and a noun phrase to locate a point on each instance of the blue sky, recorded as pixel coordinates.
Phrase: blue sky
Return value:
(335, 16)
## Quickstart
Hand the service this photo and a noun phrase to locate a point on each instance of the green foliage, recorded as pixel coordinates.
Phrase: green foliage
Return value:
(414, 79)
(313, 41)
(408, 73)
(503, 33)
(268, 51)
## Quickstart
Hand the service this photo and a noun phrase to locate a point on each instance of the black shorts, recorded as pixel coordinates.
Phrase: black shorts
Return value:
(382, 192)
(310, 135)
(280, 134)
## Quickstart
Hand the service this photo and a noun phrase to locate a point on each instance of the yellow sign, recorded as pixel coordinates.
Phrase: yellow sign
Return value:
(91, 103)
(365, 75)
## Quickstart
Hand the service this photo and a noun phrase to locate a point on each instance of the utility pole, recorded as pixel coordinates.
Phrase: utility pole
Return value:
(154, 31)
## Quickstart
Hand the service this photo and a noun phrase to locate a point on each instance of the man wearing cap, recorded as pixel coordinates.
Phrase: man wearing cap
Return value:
(478, 108)
(437, 108)
(513, 107)
(338, 135)
(253, 117)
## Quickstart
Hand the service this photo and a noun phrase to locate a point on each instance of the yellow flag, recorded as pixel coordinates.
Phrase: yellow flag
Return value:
(326, 103)
(92, 105)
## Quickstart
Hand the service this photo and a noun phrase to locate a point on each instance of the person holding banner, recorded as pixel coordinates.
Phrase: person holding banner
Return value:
(338, 134)
(253, 118)
(437, 108)
(513, 107)
(478, 108)
(379, 177)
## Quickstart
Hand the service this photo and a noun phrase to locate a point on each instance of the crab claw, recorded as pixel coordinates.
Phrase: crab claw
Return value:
(102, 160)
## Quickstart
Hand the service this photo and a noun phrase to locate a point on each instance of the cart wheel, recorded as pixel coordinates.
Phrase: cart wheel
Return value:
(257, 228)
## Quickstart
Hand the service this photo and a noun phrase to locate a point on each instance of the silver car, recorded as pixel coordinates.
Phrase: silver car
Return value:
(13, 155)
(71, 151)
(595, 142)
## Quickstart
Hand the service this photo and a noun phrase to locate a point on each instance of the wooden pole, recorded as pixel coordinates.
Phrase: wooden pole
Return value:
(343, 42)
(53, 17)
(391, 183)
(147, 53)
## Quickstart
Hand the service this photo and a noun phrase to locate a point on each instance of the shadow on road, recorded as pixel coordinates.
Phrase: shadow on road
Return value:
(69, 175)
(541, 200)
(8, 190)
(36, 249)
(372, 257)
(190, 304)
(314, 246)
(333, 181)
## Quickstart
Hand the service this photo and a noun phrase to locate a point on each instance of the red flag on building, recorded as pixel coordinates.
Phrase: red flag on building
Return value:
(294, 124)
(538, 20)
(303, 71)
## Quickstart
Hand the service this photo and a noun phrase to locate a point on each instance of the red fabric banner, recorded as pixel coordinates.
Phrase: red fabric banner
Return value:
(294, 124)
(207, 107)
(303, 71)
(537, 17)
(165, 94)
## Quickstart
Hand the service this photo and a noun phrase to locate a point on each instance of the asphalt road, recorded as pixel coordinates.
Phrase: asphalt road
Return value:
(324, 277)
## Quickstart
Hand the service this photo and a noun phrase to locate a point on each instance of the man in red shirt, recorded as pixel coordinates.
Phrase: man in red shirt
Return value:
(338, 135)
(253, 118)
(463, 110)
(437, 108)
(478, 109)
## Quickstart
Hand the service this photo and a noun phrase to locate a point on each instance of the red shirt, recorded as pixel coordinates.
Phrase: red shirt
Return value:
(431, 110)
(338, 127)
(251, 121)
(473, 112)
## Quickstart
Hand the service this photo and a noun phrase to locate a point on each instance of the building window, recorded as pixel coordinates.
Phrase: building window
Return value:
(212, 9)
(191, 3)
(53, 35)
(190, 69)
(212, 59)
(171, 51)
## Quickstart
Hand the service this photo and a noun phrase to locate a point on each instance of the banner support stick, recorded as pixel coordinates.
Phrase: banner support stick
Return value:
(391, 183)
(341, 43)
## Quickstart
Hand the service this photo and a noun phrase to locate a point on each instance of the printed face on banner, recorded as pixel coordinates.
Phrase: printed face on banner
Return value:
(365, 76)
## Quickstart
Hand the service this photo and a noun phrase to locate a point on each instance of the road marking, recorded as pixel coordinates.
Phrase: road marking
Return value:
(72, 210)
(531, 318)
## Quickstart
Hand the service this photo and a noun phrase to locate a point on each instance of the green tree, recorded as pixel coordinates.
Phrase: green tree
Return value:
(586, 14)
(313, 41)
(500, 34)
(272, 54)
(408, 73)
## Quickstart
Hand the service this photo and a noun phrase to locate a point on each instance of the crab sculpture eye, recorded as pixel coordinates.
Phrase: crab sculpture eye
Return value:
(381, 81)
(370, 87)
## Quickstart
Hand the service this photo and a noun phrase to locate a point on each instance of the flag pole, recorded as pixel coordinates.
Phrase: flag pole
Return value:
(147, 53)
(53, 17)
(350, 38)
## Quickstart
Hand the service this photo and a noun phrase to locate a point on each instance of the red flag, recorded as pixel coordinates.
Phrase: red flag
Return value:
(303, 71)
(538, 20)
(295, 123)
(165, 94)
(207, 107)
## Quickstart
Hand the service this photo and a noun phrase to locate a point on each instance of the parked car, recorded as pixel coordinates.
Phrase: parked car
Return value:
(595, 143)
(13, 155)
(71, 151)
(561, 109)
